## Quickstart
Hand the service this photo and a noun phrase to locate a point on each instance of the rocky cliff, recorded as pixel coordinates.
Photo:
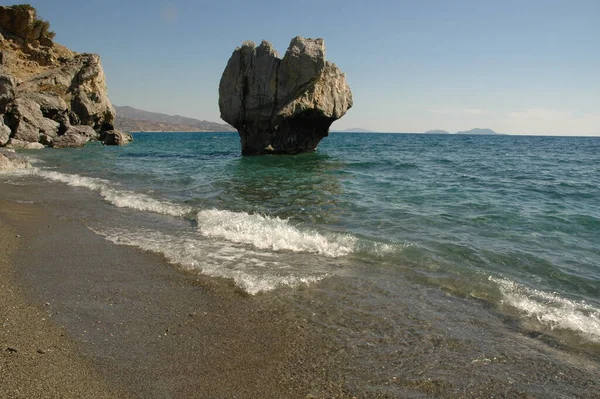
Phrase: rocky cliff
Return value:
(49, 95)
(282, 106)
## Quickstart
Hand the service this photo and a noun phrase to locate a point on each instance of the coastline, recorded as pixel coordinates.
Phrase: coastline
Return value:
(151, 329)
(115, 321)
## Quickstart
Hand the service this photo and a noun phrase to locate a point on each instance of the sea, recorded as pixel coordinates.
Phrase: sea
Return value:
(445, 256)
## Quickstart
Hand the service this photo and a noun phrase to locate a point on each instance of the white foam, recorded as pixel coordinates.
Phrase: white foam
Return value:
(251, 271)
(552, 310)
(272, 233)
(118, 197)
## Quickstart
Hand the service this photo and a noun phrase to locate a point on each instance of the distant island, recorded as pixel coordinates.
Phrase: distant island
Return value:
(436, 131)
(478, 132)
(131, 119)
(353, 130)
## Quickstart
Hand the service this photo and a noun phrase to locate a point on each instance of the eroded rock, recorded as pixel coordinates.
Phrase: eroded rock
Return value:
(81, 81)
(34, 146)
(282, 106)
(7, 91)
(46, 90)
(116, 137)
(83, 130)
(10, 161)
(22, 21)
(69, 140)
(26, 121)
(4, 132)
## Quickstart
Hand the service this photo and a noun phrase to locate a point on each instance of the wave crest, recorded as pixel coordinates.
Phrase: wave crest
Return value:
(551, 310)
(272, 233)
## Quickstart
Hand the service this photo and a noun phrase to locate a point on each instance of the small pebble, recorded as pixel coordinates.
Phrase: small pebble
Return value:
(17, 235)
(41, 351)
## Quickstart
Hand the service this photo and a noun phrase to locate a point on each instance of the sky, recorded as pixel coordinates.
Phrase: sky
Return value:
(517, 67)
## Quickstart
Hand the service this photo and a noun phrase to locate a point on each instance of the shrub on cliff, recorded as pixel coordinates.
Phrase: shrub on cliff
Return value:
(22, 20)
(44, 27)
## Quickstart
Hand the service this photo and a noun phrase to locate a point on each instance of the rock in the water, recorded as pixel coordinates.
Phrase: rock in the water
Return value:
(15, 143)
(10, 161)
(70, 140)
(34, 146)
(83, 130)
(75, 136)
(282, 106)
(116, 137)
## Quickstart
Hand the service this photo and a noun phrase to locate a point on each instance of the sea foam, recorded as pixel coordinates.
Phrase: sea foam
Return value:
(119, 197)
(272, 233)
(251, 271)
(550, 309)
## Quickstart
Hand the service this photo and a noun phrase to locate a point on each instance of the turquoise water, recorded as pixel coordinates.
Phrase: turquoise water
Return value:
(510, 221)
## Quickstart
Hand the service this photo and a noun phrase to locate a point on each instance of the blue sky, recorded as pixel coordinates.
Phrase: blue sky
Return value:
(520, 67)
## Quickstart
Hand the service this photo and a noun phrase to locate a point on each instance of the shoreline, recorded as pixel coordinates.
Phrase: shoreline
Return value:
(128, 324)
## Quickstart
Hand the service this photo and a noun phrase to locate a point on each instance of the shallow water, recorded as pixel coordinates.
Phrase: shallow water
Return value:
(452, 251)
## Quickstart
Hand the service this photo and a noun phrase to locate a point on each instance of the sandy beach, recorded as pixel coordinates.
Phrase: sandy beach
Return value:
(82, 317)
(37, 359)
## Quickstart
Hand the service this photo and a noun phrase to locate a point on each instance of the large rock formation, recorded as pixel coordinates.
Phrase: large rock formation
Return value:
(46, 90)
(282, 106)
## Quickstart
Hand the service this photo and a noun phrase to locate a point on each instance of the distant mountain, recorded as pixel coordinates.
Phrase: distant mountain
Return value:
(353, 130)
(436, 131)
(131, 119)
(478, 132)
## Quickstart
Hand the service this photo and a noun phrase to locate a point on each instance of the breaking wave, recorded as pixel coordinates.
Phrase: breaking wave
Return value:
(251, 271)
(272, 233)
(551, 310)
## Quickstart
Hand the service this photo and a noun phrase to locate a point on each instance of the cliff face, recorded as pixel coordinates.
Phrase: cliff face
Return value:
(282, 106)
(47, 90)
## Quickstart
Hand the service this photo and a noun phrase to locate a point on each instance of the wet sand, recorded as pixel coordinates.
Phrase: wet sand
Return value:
(114, 321)
(37, 360)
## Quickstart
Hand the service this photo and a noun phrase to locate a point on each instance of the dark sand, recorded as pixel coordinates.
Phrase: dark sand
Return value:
(115, 321)
(37, 360)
